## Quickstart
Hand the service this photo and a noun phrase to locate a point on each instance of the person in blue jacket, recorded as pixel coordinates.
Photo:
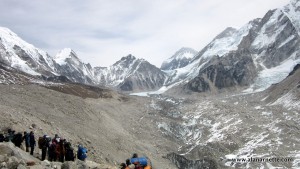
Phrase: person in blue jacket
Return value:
(81, 153)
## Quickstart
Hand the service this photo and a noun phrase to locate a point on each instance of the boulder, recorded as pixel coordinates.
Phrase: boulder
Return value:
(69, 165)
(81, 164)
(56, 165)
(20, 166)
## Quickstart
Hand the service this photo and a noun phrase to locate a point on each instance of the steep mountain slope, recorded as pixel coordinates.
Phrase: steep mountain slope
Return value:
(180, 59)
(23, 56)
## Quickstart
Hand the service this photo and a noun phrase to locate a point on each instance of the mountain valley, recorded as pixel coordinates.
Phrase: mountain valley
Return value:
(237, 98)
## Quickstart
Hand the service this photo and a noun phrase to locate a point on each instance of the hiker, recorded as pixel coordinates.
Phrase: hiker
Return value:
(140, 162)
(128, 162)
(43, 143)
(52, 152)
(32, 142)
(69, 155)
(56, 139)
(10, 135)
(138, 165)
(135, 155)
(123, 166)
(61, 150)
(18, 139)
(26, 138)
(81, 153)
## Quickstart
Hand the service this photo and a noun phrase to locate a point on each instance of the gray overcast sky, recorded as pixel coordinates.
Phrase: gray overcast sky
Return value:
(102, 31)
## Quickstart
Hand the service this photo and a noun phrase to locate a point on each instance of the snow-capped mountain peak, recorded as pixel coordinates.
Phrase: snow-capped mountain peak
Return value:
(126, 60)
(229, 31)
(227, 41)
(184, 52)
(66, 54)
(180, 59)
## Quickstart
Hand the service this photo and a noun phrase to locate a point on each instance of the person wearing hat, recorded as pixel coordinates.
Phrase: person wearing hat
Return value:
(123, 166)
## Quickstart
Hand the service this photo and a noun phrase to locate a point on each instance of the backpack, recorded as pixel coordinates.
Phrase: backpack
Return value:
(82, 153)
(18, 138)
(48, 139)
(41, 142)
(141, 160)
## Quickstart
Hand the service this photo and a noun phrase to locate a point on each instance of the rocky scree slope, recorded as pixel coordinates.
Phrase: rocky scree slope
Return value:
(212, 130)
(112, 128)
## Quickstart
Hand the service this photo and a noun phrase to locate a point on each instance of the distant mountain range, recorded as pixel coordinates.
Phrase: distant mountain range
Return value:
(261, 53)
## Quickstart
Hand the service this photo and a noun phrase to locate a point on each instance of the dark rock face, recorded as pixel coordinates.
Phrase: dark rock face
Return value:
(126, 86)
(232, 70)
(297, 67)
(183, 163)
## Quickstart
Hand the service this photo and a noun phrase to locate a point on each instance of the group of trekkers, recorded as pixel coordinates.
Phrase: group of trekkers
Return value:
(136, 162)
(58, 148)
